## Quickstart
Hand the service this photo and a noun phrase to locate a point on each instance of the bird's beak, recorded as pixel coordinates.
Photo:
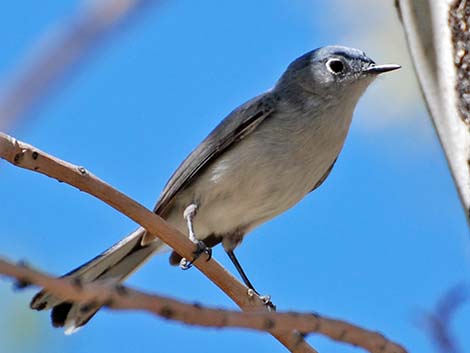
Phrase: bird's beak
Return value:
(380, 69)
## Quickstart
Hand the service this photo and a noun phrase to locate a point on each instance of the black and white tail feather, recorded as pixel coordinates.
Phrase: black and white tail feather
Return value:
(114, 265)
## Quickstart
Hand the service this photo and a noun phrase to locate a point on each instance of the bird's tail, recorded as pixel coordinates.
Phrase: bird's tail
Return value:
(115, 264)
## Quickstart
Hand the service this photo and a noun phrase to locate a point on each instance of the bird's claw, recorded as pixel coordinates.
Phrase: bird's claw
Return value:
(185, 264)
(201, 249)
(268, 303)
(266, 299)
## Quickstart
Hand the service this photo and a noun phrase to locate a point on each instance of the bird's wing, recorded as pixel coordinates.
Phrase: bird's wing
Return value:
(236, 126)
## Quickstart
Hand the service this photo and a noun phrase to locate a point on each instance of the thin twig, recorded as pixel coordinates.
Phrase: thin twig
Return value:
(29, 157)
(125, 298)
(59, 51)
(438, 323)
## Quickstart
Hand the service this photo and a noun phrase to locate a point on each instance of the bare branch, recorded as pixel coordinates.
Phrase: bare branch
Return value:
(124, 298)
(29, 157)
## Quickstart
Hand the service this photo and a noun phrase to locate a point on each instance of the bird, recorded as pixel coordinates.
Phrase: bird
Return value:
(261, 160)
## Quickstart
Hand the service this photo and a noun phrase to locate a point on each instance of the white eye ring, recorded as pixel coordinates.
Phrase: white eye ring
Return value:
(335, 66)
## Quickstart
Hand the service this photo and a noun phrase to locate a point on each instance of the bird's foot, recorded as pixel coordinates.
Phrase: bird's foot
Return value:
(201, 249)
(266, 299)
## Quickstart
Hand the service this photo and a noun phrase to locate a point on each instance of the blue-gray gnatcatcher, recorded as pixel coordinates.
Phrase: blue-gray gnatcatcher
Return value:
(261, 160)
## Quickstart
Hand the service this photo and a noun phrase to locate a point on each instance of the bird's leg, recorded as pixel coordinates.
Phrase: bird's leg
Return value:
(188, 215)
(251, 289)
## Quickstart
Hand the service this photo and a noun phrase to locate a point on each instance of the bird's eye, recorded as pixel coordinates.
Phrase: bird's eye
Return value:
(335, 66)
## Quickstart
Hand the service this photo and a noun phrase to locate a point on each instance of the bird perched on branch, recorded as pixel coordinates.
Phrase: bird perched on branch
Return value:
(261, 160)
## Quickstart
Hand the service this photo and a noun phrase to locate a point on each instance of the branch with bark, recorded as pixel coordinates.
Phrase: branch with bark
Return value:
(119, 297)
(284, 326)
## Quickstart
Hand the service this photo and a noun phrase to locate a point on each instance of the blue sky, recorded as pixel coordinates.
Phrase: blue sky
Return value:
(377, 244)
